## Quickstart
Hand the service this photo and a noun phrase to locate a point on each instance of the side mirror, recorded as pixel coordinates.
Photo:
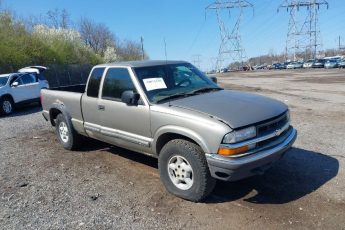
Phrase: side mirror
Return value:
(214, 79)
(15, 84)
(130, 98)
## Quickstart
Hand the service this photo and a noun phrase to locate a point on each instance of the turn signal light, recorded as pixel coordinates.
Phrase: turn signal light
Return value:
(229, 152)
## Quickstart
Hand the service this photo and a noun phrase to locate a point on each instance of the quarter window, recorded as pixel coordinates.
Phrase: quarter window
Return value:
(116, 81)
(94, 82)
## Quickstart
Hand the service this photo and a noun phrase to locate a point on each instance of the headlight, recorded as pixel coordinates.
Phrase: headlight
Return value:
(239, 135)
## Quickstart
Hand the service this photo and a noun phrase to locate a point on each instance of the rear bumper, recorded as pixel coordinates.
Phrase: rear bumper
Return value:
(232, 169)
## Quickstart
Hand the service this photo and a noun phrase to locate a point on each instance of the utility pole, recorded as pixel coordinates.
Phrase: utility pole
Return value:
(231, 42)
(303, 30)
(142, 47)
(341, 47)
(196, 60)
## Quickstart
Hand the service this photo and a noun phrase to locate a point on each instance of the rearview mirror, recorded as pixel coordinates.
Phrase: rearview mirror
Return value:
(130, 98)
(15, 84)
(214, 79)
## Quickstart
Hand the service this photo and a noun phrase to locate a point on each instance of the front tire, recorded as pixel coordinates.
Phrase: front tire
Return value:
(184, 170)
(6, 106)
(67, 136)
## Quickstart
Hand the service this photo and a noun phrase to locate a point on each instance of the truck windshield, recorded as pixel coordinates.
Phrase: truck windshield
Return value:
(170, 81)
(3, 80)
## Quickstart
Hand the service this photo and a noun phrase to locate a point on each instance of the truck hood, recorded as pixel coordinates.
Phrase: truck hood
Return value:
(235, 108)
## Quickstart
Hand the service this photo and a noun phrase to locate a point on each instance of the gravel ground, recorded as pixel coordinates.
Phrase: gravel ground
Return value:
(43, 186)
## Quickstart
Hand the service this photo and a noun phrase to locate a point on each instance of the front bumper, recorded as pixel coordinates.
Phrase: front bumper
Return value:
(233, 169)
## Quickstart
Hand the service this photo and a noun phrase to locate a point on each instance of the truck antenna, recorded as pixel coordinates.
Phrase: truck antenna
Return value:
(165, 50)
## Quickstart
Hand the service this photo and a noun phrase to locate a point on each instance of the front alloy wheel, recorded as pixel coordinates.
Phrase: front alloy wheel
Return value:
(184, 170)
(180, 172)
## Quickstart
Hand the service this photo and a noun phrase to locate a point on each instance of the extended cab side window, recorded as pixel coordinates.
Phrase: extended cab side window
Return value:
(116, 81)
(94, 82)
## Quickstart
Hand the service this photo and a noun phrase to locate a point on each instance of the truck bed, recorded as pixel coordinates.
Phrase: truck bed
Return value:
(71, 88)
(66, 98)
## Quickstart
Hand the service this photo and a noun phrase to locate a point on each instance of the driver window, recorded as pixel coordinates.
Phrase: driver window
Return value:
(116, 81)
(17, 79)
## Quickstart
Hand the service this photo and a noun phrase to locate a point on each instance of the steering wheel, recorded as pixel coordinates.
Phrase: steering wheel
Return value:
(184, 81)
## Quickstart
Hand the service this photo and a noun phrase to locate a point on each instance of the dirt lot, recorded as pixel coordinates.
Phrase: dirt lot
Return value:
(42, 186)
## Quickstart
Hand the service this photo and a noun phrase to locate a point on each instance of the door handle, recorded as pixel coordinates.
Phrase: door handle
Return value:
(101, 107)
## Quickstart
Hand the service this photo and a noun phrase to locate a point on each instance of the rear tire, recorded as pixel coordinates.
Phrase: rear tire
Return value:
(6, 105)
(67, 136)
(184, 170)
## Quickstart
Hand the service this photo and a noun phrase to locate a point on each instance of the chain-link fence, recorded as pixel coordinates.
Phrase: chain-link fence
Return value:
(66, 75)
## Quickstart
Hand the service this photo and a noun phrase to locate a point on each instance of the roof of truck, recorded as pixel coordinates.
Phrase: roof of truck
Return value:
(140, 63)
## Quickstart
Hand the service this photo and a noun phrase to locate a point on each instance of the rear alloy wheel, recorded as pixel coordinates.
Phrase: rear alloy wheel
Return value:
(63, 131)
(67, 136)
(184, 170)
(7, 106)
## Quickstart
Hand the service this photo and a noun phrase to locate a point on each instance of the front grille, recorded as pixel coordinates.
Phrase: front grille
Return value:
(272, 126)
(274, 140)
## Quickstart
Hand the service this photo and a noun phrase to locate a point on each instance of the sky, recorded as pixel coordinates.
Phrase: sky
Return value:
(186, 27)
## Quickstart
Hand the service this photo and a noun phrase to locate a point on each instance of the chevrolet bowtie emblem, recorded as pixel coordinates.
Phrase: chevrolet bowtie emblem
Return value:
(278, 132)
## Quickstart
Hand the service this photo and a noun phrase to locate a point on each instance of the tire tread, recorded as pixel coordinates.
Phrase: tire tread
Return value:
(195, 152)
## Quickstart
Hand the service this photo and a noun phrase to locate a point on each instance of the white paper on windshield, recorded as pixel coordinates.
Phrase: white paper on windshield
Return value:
(154, 83)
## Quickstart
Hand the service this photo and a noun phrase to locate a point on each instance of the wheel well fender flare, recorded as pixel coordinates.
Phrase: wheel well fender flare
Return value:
(167, 133)
(7, 95)
(56, 109)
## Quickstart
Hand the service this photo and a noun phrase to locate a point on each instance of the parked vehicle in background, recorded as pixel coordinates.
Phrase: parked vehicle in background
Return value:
(341, 63)
(285, 64)
(319, 63)
(224, 70)
(170, 110)
(21, 88)
(331, 63)
(308, 64)
(294, 65)
(263, 66)
(277, 66)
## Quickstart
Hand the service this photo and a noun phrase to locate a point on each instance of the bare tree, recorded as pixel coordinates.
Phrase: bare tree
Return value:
(130, 50)
(96, 35)
(58, 18)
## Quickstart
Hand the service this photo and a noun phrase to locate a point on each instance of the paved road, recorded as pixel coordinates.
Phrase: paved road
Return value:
(43, 186)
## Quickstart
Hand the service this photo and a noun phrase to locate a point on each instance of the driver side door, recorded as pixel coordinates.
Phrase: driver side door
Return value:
(124, 125)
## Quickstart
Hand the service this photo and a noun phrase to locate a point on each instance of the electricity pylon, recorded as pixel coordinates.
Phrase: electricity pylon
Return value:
(303, 37)
(231, 42)
(197, 60)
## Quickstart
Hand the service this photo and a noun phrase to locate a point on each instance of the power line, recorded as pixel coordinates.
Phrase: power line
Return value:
(303, 36)
(231, 42)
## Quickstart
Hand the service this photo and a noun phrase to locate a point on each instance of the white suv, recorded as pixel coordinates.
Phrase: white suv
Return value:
(20, 88)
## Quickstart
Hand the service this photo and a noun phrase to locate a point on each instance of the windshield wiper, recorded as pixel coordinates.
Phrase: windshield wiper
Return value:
(195, 92)
(173, 97)
(204, 90)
